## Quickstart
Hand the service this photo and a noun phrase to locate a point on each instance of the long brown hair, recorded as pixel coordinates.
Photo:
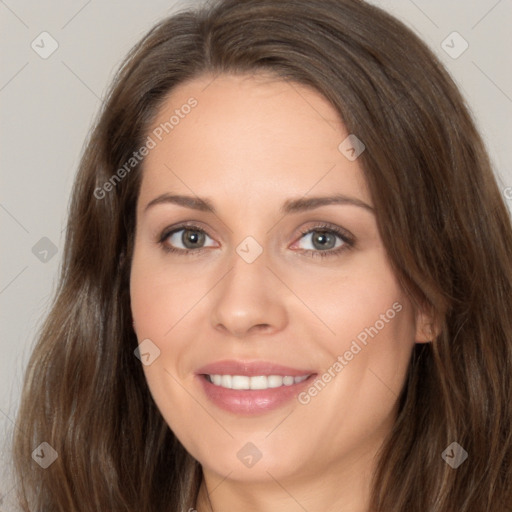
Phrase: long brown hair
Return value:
(441, 217)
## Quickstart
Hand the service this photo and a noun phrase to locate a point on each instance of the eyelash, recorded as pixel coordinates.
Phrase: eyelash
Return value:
(348, 241)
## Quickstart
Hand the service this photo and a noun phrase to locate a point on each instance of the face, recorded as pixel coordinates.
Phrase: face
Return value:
(276, 336)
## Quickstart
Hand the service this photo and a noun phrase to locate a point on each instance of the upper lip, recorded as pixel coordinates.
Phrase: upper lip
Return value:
(250, 369)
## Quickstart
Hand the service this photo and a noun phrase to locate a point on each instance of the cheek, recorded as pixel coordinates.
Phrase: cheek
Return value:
(159, 302)
(160, 294)
(165, 302)
(363, 302)
(372, 335)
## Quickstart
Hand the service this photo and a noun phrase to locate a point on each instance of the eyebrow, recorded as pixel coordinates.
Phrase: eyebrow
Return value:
(289, 206)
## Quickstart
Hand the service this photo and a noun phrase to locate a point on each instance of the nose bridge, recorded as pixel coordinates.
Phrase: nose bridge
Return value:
(248, 296)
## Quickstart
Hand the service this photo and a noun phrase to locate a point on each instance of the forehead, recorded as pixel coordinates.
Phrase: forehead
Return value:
(234, 134)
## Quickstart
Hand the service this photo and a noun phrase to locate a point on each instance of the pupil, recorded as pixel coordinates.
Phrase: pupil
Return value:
(192, 238)
(322, 238)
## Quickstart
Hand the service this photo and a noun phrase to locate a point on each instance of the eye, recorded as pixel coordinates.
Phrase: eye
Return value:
(326, 240)
(190, 237)
(323, 240)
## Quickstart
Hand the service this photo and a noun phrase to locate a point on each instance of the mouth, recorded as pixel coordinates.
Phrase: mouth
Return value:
(248, 388)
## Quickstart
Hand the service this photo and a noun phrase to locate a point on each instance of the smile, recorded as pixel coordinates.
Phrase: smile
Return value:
(255, 382)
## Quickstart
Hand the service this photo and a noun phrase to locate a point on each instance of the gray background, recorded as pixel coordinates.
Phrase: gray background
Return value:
(48, 106)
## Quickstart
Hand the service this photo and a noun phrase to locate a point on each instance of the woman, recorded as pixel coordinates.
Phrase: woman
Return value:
(199, 356)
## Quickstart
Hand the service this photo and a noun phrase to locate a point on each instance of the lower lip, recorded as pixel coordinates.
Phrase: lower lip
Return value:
(252, 401)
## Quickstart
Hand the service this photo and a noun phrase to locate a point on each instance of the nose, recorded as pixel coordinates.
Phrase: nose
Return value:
(249, 300)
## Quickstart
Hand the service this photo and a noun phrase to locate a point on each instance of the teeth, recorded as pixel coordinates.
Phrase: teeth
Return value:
(287, 381)
(256, 382)
(226, 381)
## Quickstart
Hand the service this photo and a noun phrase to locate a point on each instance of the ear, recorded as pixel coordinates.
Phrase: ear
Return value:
(426, 328)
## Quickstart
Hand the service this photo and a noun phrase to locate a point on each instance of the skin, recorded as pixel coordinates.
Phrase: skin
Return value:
(250, 144)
